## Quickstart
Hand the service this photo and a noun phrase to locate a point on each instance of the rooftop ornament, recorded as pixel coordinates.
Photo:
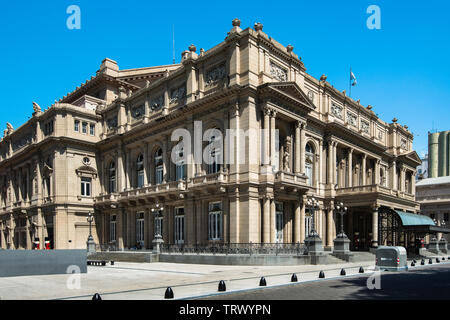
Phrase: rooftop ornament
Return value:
(290, 48)
(192, 48)
(394, 120)
(258, 26)
(323, 78)
(369, 107)
(236, 22)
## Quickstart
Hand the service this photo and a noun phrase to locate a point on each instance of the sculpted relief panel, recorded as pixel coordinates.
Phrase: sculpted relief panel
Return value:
(215, 75)
(336, 110)
(277, 72)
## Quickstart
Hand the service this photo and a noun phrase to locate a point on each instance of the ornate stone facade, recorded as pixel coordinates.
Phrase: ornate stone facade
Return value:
(135, 190)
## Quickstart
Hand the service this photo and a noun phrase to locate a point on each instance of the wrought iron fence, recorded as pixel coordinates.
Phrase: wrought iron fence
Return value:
(237, 248)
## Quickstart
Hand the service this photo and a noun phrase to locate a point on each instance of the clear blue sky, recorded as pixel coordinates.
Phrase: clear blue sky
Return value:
(402, 70)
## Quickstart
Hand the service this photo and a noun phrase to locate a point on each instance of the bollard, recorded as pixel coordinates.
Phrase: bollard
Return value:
(321, 274)
(437, 260)
(343, 272)
(443, 258)
(422, 262)
(96, 297)
(430, 261)
(414, 260)
(112, 263)
(262, 282)
(413, 264)
(88, 263)
(294, 278)
(169, 293)
(361, 270)
(103, 263)
(222, 286)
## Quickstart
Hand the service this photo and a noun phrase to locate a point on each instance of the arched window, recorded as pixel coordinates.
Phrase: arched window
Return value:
(140, 170)
(158, 166)
(112, 177)
(180, 165)
(309, 163)
(214, 156)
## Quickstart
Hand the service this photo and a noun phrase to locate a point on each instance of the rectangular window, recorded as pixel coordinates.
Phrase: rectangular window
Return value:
(215, 221)
(86, 187)
(77, 126)
(112, 229)
(179, 225)
(446, 217)
(84, 127)
(140, 229)
(92, 129)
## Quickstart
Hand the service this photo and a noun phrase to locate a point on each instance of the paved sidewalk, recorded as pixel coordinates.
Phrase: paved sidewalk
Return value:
(148, 281)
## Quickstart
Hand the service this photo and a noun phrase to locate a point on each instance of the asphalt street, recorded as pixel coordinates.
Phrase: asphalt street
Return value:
(422, 282)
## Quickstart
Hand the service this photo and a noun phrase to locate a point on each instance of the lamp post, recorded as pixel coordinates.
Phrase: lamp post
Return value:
(90, 241)
(158, 237)
(313, 205)
(341, 243)
(313, 241)
(341, 210)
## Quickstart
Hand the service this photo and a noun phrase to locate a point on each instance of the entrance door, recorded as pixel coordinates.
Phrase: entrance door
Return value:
(362, 235)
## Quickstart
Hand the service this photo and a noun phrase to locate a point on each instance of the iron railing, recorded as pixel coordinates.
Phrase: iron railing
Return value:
(237, 248)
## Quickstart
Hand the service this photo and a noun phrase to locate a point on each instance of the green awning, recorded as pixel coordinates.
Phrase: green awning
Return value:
(412, 219)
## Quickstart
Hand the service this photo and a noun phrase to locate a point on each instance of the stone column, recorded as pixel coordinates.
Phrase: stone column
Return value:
(302, 220)
(266, 138)
(119, 229)
(272, 220)
(330, 225)
(297, 214)
(330, 163)
(394, 175)
(377, 171)
(164, 156)
(350, 168)
(375, 227)
(129, 173)
(272, 140)
(302, 147)
(28, 244)
(298, 151)
(364, 165)
(266, 219)
(120, 171)
(146, 164)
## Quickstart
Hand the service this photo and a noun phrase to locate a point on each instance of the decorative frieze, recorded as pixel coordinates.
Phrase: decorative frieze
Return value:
(22, 141)
(138, 112)
(352, 119)
(111, 123)
(403, 144)
(157, 102)
(215, 75)
(278, 72)
(311, 95)
(364, 126)
(336, 110)
(177, 94)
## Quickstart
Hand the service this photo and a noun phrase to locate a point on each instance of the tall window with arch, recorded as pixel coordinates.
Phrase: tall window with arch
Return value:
(112, 177)
(140, 170)
(180, 165)
(309, 163)
(159, 171)
(213, 157)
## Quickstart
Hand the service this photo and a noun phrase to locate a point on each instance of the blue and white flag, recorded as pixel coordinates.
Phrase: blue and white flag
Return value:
(352, 78)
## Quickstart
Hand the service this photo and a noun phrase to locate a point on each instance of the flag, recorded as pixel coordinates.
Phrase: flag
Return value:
(353, 78)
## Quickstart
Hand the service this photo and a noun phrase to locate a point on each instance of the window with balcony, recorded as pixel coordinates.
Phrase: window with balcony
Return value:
(159, 170)
(179, 225)
(112, 177)
(215, 221)
(140, 224)
(140, 170)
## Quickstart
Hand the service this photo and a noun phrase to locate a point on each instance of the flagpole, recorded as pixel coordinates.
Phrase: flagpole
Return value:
(350, 83)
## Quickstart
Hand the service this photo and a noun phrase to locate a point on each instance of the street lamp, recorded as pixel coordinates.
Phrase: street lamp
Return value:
(341, 210)
(158, 237)
(313, 205)
(90, 241)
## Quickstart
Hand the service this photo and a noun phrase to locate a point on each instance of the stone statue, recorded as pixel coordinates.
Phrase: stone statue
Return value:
(9, 128)
(36, 107)
(286, 161)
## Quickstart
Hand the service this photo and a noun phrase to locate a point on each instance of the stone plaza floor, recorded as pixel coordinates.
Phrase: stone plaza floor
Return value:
(149, 281)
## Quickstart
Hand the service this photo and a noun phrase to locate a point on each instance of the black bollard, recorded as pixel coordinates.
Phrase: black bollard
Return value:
(262, 282)
(112, 263)
(103, 263)
(343, 272)
(361, 270)
(437, 260)
(321, 274)
(443, 258)
(422, 262)
(414, 261)
(413, 264)
(294, 278)
(96, 297)
(222, 286)
(169, 293)
(430, 261)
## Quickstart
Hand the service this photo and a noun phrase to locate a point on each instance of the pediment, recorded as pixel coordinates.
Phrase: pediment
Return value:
(86, 170)
(412, 157)
(289, 91)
